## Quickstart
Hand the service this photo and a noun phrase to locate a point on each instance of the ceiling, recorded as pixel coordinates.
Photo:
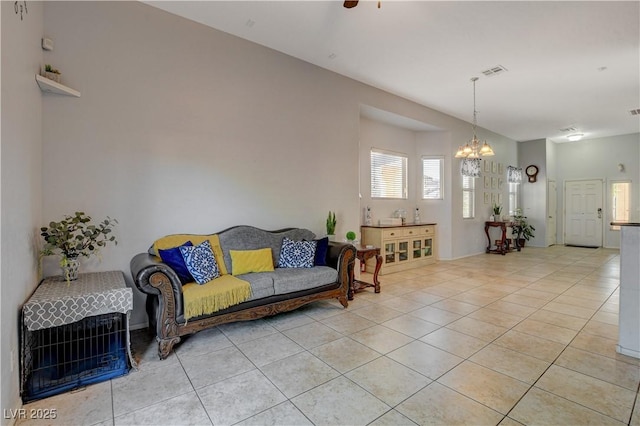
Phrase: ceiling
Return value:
(568, 64)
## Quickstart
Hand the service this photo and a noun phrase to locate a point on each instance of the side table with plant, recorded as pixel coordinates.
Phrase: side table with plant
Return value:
(76, 236)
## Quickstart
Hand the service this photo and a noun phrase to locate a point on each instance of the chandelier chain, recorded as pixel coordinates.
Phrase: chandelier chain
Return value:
(473, 148)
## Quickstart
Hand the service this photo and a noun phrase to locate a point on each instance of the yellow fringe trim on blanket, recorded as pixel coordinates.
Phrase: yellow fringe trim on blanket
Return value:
(213, 296)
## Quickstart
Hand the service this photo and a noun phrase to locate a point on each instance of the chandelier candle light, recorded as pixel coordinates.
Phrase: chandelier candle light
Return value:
(473, 149)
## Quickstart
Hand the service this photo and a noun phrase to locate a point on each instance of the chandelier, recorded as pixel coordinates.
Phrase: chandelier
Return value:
(473, 148)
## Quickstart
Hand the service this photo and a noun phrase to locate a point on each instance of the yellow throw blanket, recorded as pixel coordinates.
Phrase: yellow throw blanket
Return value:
(213, 296)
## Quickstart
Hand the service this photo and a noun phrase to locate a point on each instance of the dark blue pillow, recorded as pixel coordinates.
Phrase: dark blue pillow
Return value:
(322, 247)
(173, 258)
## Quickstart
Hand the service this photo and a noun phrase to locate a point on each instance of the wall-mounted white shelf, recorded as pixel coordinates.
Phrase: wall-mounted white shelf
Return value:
(51, 86)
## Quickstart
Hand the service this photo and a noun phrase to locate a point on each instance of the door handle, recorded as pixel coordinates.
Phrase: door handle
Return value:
(600, 213)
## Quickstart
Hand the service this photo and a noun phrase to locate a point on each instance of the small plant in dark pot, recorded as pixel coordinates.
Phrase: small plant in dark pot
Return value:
(521, 229)
(76, 236)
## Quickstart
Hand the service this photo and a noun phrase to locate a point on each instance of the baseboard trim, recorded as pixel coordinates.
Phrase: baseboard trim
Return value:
(627, 352)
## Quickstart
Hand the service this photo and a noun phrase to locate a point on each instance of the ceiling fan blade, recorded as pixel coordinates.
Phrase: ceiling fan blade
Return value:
(350, 4)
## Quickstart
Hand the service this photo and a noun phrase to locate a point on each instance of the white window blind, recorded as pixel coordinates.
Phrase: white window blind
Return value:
(513, 197)
(468, 197)
(388, 175)
(432, 178)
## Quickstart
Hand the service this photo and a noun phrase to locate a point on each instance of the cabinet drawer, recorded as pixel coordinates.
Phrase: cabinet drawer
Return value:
(391, 233)
(411, 232)
(419, 231)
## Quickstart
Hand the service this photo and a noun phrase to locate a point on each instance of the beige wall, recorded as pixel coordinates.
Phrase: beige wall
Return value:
(180, 128)
(21, 180)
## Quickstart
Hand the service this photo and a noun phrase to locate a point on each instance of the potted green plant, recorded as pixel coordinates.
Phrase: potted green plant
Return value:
(496, 209)
(76, 236)
(351, 237)
(331, 225)
(522, 230)
(51, 73)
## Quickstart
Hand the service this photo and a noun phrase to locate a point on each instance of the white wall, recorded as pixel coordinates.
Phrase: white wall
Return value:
(415, 144)
(552, 175)
(599, 159)
(21, 180)
(374, 134)
(467, 235)
(439, 211)
(533, 195)
(457, 237)
(588, 159)
(182, 128)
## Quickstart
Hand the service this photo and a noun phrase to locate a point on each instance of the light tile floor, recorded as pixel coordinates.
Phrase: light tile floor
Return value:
(526, 338)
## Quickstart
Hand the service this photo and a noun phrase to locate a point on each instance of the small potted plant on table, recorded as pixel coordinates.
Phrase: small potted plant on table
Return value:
(331, 226)
(496, 209)
(351, 237)
(76, 236)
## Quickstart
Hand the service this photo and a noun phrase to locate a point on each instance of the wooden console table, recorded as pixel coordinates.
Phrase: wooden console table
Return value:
(402, 247)
(503, 246)
(364, 253)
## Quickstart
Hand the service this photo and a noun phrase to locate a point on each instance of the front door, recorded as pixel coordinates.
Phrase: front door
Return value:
(552, 203)
(583, 213)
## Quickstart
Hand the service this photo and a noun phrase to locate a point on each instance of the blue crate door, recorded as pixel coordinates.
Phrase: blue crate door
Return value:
(75, 355)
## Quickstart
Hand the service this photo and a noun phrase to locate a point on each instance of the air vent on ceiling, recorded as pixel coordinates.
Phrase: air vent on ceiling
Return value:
(568, 129)
(635, 111)
(498, 69)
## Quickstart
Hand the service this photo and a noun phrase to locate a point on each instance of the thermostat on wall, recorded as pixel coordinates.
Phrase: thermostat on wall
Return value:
(47, 44)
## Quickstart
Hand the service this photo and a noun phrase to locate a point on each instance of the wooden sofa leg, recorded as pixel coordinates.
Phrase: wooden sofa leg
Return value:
(343, 301)
(165, 346)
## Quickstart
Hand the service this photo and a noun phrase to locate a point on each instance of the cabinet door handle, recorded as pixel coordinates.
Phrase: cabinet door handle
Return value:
(393, 233)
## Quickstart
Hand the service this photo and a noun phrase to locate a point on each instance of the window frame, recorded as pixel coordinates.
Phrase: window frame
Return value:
(440, 159)
(611, 205)
(404, 158)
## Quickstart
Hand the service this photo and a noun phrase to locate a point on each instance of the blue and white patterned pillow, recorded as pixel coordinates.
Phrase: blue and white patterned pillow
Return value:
(297, 254)
(200, 262)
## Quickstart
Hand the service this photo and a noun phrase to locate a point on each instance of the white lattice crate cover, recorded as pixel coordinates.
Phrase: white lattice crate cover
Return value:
(56, 302)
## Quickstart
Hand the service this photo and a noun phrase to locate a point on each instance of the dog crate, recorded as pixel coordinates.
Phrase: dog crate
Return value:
(62, 358)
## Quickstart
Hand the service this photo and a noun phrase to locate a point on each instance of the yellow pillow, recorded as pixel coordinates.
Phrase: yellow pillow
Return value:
(245, 261)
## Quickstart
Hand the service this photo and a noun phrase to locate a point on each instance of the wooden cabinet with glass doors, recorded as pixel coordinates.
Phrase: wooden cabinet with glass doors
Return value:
(402, 247)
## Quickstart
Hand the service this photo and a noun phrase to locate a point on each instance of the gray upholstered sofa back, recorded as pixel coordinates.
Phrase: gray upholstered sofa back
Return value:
(250, 238)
